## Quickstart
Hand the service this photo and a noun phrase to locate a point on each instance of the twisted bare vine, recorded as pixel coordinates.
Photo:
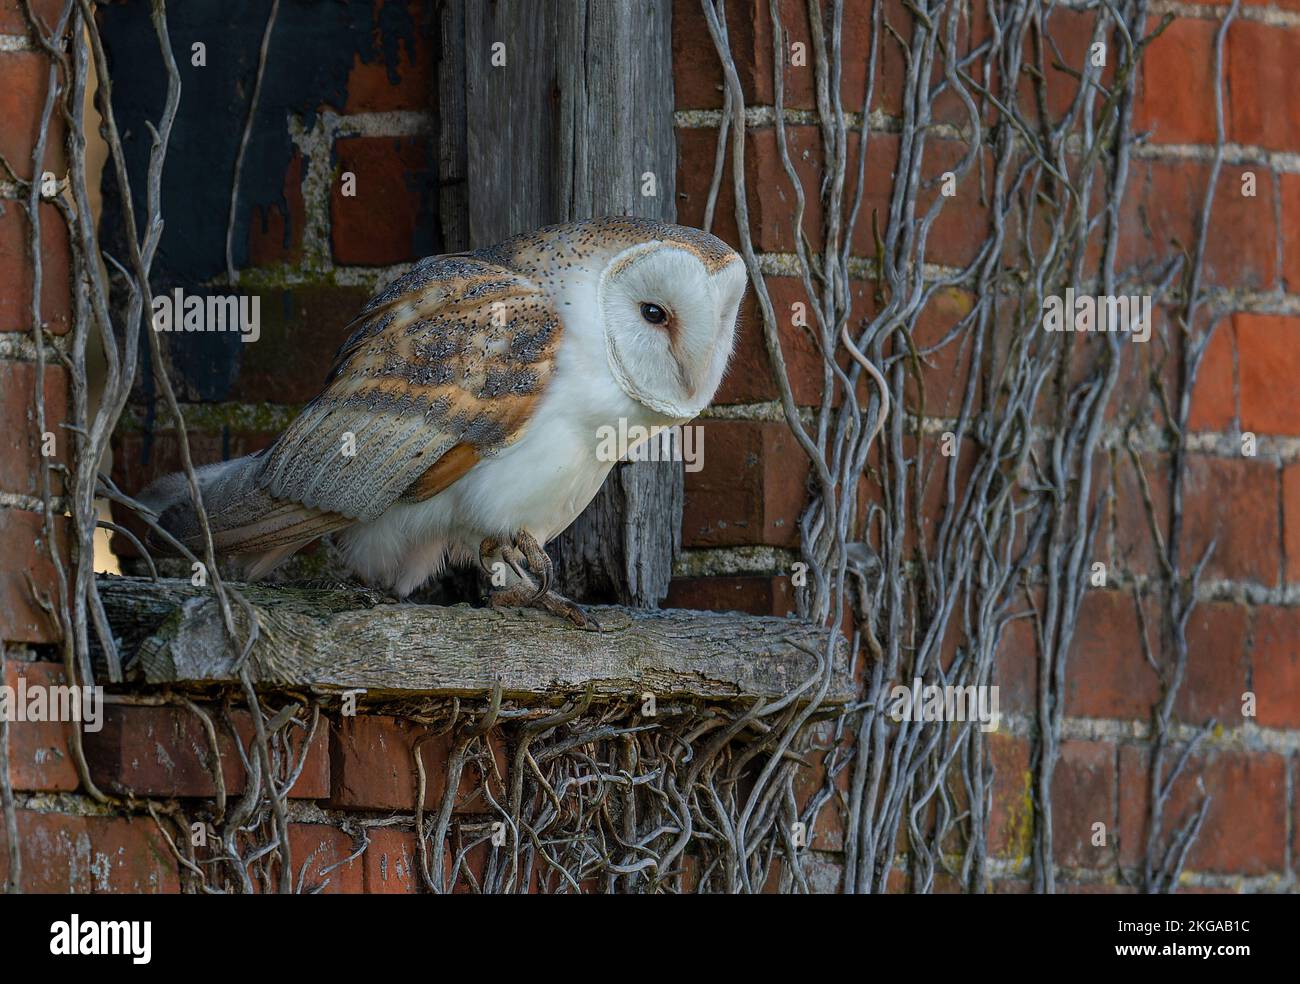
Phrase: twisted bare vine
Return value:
(1014, 535)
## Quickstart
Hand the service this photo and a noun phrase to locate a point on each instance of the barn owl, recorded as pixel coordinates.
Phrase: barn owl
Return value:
(459, 423)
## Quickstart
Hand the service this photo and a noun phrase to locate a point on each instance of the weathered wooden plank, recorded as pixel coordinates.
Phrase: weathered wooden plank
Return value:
(449, 98)
(339, 639)
(567, 128)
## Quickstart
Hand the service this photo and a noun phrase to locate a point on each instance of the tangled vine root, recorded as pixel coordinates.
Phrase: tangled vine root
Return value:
(581, 798)
(605, 796)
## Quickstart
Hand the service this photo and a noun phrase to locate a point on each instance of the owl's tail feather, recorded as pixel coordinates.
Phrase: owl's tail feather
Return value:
(245, 521)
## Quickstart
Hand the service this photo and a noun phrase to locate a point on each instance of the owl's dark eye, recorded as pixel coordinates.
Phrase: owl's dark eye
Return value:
(654, 314)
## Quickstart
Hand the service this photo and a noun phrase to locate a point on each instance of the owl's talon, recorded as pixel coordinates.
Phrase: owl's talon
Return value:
(513, 557)
(521, 596)
(574, 613)
(539, 562)
(523, 549)
(486, 549)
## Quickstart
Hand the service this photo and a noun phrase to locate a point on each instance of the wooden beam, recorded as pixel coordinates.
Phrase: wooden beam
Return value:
(448, 99)
(172, 633)
(568, 106)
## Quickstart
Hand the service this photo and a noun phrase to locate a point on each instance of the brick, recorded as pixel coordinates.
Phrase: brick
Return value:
(770, 214)
(944, 368)
(962, 224)
(1108, 676)
(139, 458)
(40, 759)
(22, 101)
(1295, 827)
(1291, 521)
(1217, 665)
(316, 847)
(91, 855)
(1083, 793)
(1234, 502)
(750, 377)
(1260, 65)
(392, 862)
(1290, 189)
(751, 488)
(1214, 396)
(698, 75)
(472, 864)
(1071, 32)
(897, 881)
(21, 441)
(1135, 547)
(1176, 93)
(827, 830)
(275, 230)
(946, 884)
(1245, 828)
(397, 70)
(1011, 819)
(1142, 363)
(1094, 888)
(697, 72)
(1010, 886)
(1279, 4)
(1029, 237)
(699, 78)
(393, 216)
(372, 766)
(131, 856)
(16, 269)
(302, 328)
(1269, 347)
(12, 20)
(1159, 212)
(823, 872)
(1275, 660)
(165, 751)
(1016, 671)
(935, 468)
(772, 197)
(25, 550)
(756, 594)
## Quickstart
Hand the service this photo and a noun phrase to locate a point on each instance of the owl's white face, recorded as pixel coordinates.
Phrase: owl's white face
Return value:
(669, 325)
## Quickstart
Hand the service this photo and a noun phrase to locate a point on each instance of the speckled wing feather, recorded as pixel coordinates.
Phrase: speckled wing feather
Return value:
(445, 367)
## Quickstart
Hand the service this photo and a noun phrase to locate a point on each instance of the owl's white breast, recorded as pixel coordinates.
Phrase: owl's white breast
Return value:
(540, 483)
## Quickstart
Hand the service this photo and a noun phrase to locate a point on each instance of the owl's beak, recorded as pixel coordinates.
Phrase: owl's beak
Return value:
(689, 382)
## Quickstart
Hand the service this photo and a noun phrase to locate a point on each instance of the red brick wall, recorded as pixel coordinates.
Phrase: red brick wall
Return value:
(22, 537)
(316, 256)
(1245, 634)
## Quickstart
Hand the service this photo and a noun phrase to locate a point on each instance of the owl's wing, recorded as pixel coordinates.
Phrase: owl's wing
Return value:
(445, 367)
